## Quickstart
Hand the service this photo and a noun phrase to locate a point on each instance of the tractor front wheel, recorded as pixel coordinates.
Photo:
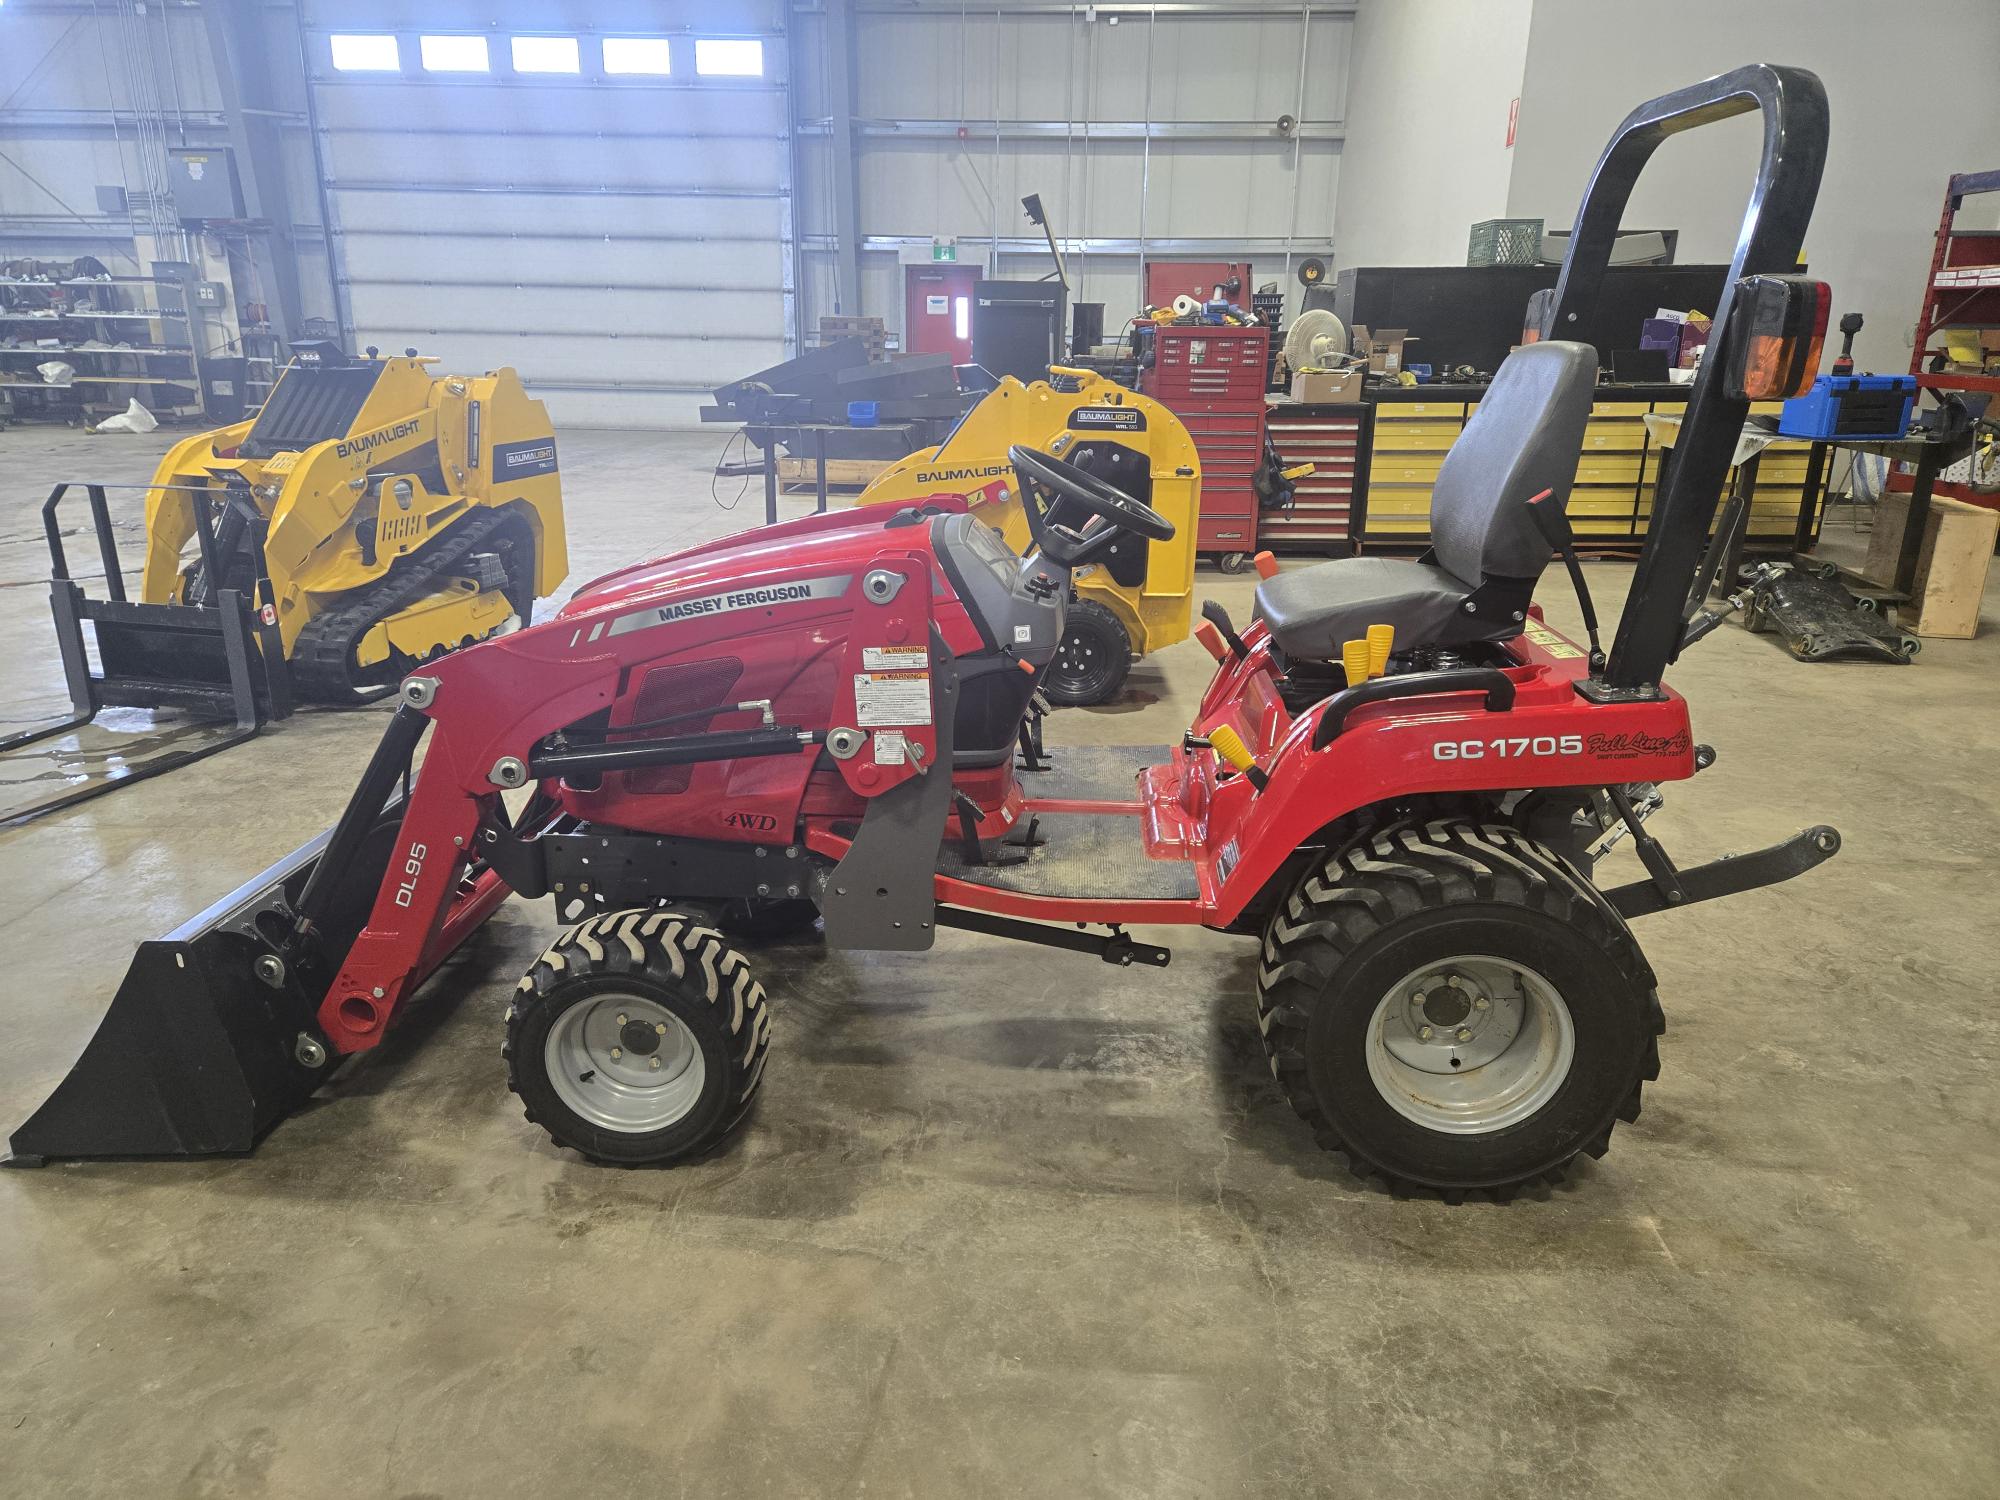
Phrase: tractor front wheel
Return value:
(1092, 659)
(1453, 1007)
(638, 1038)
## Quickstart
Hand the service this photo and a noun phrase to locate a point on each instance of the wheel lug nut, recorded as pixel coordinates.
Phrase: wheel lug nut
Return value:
(1455, 982)
(1480, 1002)
(654, 1063)
(1424, 1033)
(660, 1028)
(621, 1019)
(1465, 1033)
(616, 1053)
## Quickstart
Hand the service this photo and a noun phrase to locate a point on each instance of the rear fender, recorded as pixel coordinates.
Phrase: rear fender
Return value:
(1441, 746)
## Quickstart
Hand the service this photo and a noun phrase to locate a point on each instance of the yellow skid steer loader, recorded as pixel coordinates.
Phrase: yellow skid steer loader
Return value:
(370, 517)
(1138, 599)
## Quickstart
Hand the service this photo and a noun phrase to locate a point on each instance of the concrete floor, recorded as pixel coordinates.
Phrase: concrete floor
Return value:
(1012, 1223)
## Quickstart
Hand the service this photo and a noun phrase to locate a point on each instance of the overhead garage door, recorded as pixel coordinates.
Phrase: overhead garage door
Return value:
(607, 208)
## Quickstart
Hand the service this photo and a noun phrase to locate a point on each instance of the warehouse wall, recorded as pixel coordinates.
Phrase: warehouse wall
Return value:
(1073, 95)
(1913, 96)
(1430, 85)
(89, 98)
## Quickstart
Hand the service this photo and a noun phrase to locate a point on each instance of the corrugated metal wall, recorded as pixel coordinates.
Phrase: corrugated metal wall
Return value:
(1150, 133)
(625, 242)
(629, 242)
(89, 97)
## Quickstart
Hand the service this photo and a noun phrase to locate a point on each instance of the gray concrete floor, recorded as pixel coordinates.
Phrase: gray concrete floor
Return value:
(1013, 1223)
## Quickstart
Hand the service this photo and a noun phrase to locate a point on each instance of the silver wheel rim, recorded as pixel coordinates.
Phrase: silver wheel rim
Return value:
(1470, 1045)
(625, 1063)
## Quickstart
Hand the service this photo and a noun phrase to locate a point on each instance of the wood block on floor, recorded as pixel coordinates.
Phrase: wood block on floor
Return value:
(1951, 568)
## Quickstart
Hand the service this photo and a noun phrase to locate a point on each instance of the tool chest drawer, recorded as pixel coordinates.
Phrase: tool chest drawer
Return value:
(1325, 503)
(1208, 363)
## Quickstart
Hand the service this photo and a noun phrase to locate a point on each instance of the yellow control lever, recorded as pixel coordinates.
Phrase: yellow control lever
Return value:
(1228, 744)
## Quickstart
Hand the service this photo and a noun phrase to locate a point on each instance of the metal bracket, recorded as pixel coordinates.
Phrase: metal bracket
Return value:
(1731, 874)
(881, 894)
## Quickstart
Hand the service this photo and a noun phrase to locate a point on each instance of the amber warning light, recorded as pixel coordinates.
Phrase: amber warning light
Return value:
(1780, 328)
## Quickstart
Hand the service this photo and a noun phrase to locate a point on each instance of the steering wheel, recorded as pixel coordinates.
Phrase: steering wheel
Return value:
(1041, 475)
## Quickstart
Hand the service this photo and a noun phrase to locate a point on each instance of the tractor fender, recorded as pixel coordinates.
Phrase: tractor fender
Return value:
(1443, 745)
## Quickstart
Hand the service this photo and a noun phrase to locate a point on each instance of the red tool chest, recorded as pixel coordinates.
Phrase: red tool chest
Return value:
(1205, 362)
(1231, 443)
(1212, 378)
(1329, 505)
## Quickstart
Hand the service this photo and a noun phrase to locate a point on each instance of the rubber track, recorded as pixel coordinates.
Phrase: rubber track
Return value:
(323, 668)
(1395, 873)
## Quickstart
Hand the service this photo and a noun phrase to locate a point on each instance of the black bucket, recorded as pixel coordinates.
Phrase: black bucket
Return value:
(199, 1054)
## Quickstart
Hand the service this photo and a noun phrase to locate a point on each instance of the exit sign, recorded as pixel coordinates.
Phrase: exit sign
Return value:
(941, 251)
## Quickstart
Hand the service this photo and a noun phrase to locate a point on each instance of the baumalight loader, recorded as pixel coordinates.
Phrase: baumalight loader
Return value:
(372, 516)
(1138, 598)
(1398, 781)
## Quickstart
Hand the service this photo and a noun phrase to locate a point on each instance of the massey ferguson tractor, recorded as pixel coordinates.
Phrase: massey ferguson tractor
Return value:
(1397, 784)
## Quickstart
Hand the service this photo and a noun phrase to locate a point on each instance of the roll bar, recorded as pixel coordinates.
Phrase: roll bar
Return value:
(1793, 102)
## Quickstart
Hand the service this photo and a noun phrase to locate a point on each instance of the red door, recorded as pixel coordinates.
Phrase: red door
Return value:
(937, 310)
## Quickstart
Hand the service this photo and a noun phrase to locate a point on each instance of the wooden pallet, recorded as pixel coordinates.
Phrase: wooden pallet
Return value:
(833, 327)
(796, 475)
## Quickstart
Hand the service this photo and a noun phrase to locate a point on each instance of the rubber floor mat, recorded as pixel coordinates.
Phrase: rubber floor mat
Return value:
(1093, 773)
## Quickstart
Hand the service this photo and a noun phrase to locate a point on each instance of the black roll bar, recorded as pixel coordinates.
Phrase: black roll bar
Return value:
(1793, 103)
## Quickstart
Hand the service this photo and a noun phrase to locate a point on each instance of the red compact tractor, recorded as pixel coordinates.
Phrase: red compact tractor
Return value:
(827, 720)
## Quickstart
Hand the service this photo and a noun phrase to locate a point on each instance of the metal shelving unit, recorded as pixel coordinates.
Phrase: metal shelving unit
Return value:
(75, 313)
(1963, 288)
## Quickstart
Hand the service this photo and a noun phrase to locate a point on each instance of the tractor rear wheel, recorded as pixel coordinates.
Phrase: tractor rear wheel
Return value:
(1092, 659)
(1453, 1007)
(638, 1038)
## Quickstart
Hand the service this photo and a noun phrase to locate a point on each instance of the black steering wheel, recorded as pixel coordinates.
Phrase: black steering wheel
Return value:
(1042, 477)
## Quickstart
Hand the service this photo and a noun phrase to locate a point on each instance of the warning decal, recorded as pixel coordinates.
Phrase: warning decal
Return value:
(896, 658)
(891, 748)
(1550, 642)
(891, 698)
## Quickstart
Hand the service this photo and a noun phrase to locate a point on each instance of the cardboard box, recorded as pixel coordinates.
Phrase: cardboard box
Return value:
(1320, 387)
(1694, 335)
(1383, 348)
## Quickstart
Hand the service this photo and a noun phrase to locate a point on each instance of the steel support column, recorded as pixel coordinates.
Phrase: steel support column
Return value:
(837, 41)
(247, 79)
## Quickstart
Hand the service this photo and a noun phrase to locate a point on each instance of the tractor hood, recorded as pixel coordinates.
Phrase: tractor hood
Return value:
(816, 547)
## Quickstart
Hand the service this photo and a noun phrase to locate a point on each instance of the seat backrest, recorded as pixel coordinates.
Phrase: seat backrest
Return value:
(1525, 438)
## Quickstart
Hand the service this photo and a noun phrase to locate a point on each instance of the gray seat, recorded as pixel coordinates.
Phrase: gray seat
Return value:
(1486, 554)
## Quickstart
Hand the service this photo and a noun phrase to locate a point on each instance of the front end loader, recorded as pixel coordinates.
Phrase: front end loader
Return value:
(370, 517)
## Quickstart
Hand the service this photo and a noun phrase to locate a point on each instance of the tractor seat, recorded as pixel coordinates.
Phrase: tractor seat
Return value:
(1476, 582)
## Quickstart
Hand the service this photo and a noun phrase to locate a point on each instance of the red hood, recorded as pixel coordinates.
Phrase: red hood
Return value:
(832, 543)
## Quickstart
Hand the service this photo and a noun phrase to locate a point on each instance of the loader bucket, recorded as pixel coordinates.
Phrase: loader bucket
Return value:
(198, 1055)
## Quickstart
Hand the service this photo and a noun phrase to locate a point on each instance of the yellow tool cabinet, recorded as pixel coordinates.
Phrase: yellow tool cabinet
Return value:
(1612, 498)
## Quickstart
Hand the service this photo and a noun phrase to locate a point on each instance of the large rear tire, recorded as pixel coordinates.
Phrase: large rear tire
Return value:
(638, 1038)
(1454, 1007)
(1091, 662)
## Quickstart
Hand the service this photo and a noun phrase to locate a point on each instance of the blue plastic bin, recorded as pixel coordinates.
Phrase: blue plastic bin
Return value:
(1851, 406)
(863, 413)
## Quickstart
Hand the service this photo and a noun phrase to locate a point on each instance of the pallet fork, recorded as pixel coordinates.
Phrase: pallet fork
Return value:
(221, 661)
